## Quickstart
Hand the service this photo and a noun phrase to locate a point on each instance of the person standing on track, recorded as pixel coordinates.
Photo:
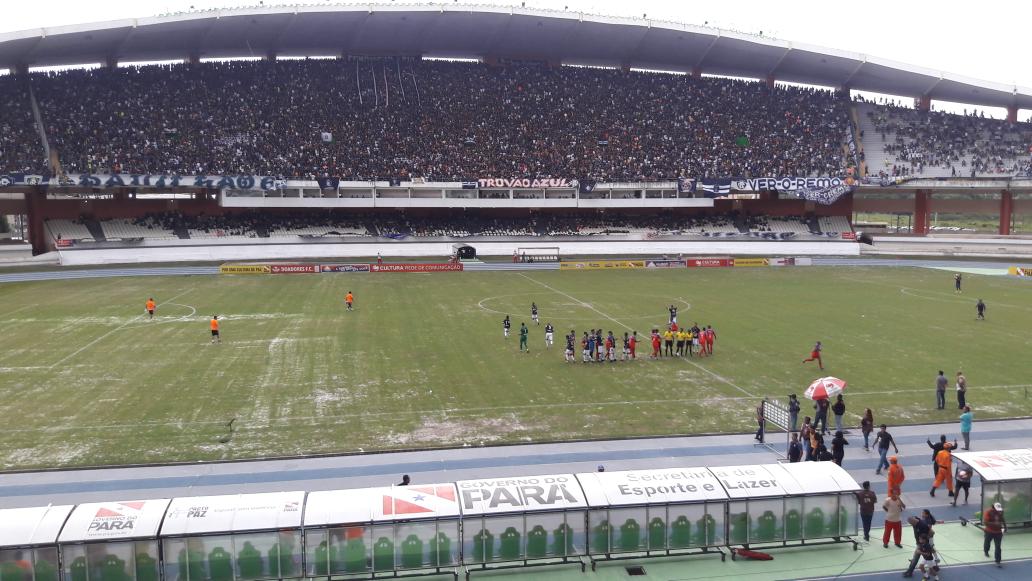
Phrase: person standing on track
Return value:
(965, 426)
(150, 306)
(895, 477)
(893, 508)
(867, 500)
(214, 325)
(944, 463)
(963, 482)
(993, 525)
(349, 300)
(882, 441)
(866, 427)
(815, 355)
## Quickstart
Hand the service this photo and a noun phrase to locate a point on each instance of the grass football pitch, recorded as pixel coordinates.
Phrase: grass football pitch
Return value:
(86, 379)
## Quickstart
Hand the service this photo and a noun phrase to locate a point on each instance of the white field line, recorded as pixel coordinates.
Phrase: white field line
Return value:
(445, 411)
(9, 313)
(629, 328)
(112, 331)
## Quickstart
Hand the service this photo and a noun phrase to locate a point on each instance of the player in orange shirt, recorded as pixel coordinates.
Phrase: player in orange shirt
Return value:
(215, 338)
(349, 299)
(150, 307)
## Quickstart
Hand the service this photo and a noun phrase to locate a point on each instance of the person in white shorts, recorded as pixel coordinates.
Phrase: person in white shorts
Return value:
(534, 314)
(549, 334)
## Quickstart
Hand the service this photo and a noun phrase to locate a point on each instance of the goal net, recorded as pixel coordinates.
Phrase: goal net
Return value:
(536, 254)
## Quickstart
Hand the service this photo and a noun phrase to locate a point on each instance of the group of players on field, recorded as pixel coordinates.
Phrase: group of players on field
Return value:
(597, 347)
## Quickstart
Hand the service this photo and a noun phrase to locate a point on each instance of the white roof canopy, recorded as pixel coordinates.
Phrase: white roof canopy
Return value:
(233, 513)
(520, 494)
(32, 526)
(801, 478)
(481, 31)
(384, 504)
(112, 521)
(1000, 465)
(650, 486)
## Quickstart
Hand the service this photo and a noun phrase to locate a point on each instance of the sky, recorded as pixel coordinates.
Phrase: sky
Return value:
(984, 41)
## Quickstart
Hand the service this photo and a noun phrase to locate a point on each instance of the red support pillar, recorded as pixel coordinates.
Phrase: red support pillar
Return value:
(34, 213)
(1012, 114)
(924, 103)
(770, 81)
(921, 213)
(1006, 212)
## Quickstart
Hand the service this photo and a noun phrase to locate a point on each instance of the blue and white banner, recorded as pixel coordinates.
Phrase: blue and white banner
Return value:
(824, 196)
(714, 188)
(216, 182)
(785, 184)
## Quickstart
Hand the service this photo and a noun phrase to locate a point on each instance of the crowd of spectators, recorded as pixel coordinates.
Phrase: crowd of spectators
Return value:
(21, 149)
(442, 121)
(250, 224)
(966, 145)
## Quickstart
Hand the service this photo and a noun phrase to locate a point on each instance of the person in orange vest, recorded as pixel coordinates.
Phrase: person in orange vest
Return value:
(349, 299)
(215, 338)
(944, 462)
(896, 476)
(150, 306)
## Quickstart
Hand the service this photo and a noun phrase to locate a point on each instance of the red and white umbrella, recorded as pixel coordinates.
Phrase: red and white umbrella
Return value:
(825, 388)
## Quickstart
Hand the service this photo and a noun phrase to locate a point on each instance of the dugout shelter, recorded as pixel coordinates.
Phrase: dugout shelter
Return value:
(28, 542)
(1006, 478)
(654, 512)
(104, 541)
(238, 536)
(803, 503)
(522, 521)
(386, 531)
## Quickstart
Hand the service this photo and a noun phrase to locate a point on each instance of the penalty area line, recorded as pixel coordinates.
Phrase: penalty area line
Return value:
(713, 374)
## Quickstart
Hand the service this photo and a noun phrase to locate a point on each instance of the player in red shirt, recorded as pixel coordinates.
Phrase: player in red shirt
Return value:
(815, 355)
(633, 343)
(655, 344)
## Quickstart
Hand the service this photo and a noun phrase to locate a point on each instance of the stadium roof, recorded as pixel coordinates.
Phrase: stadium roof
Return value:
(478, 31)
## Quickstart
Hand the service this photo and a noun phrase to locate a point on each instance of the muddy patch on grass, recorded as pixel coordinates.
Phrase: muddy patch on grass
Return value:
(473, 432)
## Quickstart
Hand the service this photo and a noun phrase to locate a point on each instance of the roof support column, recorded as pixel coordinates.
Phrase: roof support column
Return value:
(34, 202)
(696, 72)
(770, 81)
(1006, 211)
(20, 69)
(193, 59)
(923, 103)
(1012, 114)
(270, 56)
(844, 92)
(111, 62)
(921, 205)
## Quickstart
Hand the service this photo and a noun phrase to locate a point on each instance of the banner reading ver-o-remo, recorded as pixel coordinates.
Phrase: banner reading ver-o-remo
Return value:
(520, 494)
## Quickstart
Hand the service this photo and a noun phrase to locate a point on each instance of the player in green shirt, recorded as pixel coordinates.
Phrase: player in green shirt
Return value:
(523, 337)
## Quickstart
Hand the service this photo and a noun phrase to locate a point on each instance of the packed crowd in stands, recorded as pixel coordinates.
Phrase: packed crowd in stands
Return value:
(21, 149)
(399, 118)
(966, 145)
(320, 224)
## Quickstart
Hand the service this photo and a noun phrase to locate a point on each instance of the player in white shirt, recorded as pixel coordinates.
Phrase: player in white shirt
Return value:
(534, 314)
(506, 325)
(549, 334)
